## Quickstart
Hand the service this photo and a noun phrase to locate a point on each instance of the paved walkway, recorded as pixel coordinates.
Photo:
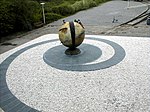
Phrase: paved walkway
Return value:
(115, 77)
(112, 73)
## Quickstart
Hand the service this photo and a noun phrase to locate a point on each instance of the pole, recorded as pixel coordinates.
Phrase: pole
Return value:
(43, 12)
(128, 4)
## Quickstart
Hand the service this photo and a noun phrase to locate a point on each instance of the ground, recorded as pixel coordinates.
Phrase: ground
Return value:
(111, 74)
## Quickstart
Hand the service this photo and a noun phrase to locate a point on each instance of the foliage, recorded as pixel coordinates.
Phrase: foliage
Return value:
(64, 9)
(35, 11)
(21, 15)
(78, 5)
(7, 19)
(50, 17)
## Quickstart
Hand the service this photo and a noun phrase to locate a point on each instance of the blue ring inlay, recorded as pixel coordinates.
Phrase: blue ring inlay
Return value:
(115, 59)
(9, 103)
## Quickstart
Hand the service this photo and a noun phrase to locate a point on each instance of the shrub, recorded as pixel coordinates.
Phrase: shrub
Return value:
(91, 3)
(35, 11)
(7, 19)
(50, 17)
(63, 9)
(78, 5)
(100, 1)
(48, 6)
(20, 15)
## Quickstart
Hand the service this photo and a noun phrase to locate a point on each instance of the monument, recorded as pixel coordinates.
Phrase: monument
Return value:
(77, 57)
(71, 35)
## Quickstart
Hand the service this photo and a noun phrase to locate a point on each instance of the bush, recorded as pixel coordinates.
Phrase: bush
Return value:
(35, 11)
(7, 19)
(63, 9)
(50, 17)
(18, 15)
(78, 5)
(91, 3)
(100, 1)
(48, 6)
(21, 15)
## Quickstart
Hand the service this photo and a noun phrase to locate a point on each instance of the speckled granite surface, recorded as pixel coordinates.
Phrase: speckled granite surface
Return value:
(30, 84)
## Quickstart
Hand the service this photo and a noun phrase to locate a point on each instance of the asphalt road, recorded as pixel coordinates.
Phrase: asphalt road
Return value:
(104, 14)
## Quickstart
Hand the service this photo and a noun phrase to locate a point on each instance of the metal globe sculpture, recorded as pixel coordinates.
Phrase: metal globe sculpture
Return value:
(71, 35)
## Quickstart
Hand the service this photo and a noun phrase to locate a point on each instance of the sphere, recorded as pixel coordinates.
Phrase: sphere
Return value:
(71, 34)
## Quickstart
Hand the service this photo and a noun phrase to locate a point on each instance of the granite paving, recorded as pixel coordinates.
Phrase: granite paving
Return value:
(29, 84)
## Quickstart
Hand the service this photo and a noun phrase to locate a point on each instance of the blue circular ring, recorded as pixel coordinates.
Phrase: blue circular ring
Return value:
(8, 102)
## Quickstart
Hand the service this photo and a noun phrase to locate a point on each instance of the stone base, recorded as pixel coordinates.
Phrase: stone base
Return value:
(75, 51)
